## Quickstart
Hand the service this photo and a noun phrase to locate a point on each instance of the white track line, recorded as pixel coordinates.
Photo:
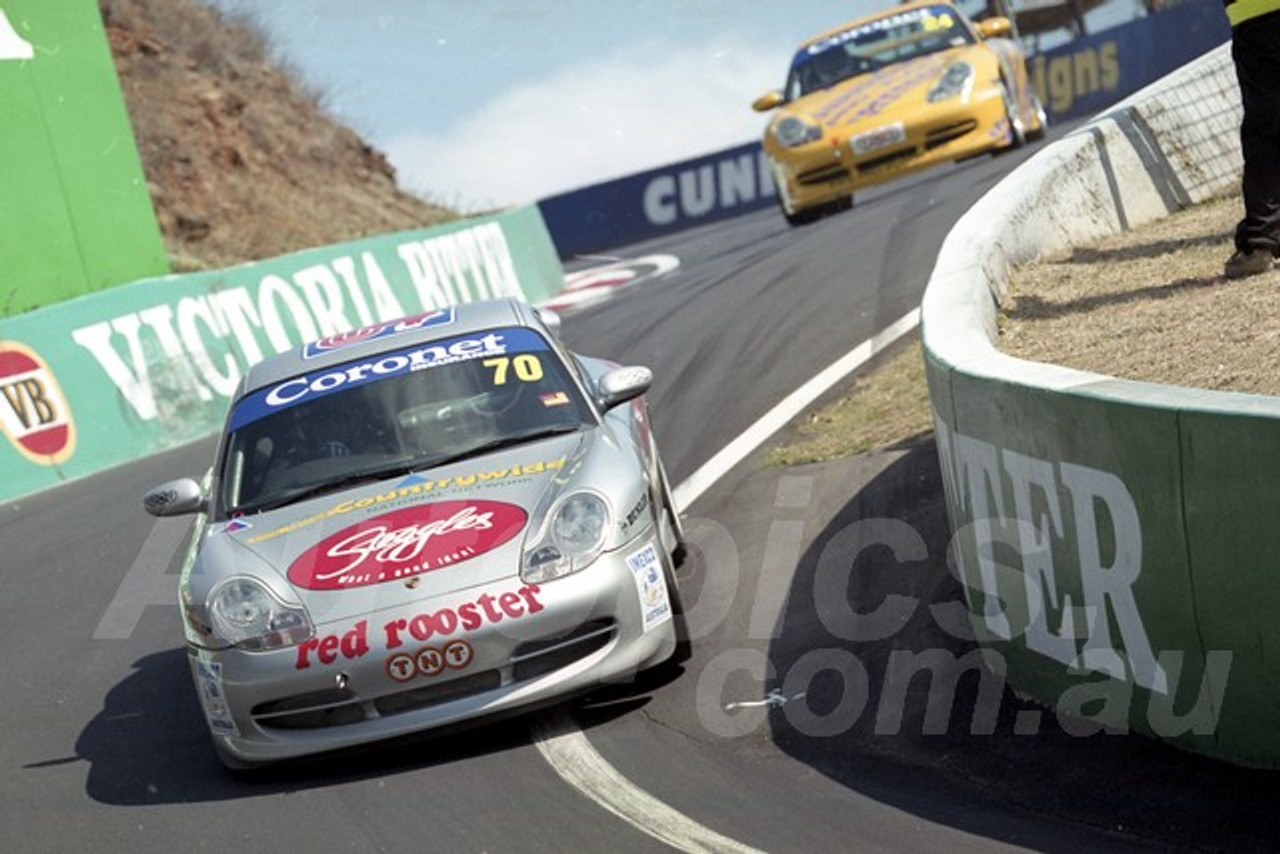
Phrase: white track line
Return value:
(567, 750)
(558, 738)
(791, 406)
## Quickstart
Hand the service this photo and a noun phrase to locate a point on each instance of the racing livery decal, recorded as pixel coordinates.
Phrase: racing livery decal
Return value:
(426, 320)
(412, 488)
(405, 543)
(430, 661)
(485, 610)
(34, 412)
(651, 587)
(212, 699)
(266, 401)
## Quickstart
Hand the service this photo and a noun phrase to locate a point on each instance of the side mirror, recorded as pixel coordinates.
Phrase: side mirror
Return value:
(550, 319)
(995, 28)
(622, 384)
(767, 102)
(175, 498)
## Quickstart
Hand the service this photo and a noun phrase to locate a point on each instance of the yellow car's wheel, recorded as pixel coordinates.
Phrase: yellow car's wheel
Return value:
(815, 213)
(1014, 117)
(1042, 120)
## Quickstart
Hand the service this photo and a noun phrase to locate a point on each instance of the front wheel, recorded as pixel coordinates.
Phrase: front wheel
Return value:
(1013, 116)
(670, 528)
(1042, 120)
(801, 217)
(813, 214)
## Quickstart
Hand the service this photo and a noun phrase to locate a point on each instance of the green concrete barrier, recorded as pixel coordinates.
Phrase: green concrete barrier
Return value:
(113, 376)
(1072, 547)
(76, 214)
(1231, 482)
(1114, 538)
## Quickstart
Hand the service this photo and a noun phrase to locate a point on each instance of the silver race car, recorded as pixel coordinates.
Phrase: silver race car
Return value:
(419, 523)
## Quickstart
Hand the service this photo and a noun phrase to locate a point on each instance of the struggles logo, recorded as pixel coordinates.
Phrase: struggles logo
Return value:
(405, 543)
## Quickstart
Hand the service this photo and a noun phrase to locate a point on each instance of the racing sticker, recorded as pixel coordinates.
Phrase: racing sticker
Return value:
(405, 543)
(34, 413)
(426, 320)
(381, 366)
(234, 526)
(926, 19)
(212, 698)
(554, 398)
(430, 661)
(486, 609)
(413, 488)
(655, 604)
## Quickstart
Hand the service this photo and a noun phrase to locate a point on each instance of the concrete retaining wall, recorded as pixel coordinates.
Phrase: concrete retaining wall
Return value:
(1114, 537)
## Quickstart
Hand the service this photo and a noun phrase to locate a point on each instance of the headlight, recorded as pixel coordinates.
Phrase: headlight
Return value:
(792, 131)
(245, 613)
(956, 80)
(573, 537)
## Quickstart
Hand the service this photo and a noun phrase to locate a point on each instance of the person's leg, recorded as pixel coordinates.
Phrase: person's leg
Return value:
(1257, 62)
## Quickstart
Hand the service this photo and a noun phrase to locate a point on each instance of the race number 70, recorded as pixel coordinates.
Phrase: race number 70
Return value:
(527, 368)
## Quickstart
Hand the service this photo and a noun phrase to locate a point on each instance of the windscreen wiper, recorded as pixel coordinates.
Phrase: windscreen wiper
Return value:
(346, 481)
(507, 441)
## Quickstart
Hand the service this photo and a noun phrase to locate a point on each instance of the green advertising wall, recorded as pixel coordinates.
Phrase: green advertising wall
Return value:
(109, 377)
(1082, 568)
(1115, 539)
(75, 212)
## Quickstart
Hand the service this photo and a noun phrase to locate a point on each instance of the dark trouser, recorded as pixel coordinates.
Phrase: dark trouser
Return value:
(1255, 47)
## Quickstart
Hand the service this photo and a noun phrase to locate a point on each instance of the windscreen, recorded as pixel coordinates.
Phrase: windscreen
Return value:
(399, 410)
(867, 47)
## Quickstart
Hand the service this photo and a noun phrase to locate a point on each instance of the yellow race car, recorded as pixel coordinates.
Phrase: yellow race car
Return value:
(891, 94)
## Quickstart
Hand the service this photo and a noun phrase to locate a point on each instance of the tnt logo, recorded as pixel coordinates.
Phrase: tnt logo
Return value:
(33, 411)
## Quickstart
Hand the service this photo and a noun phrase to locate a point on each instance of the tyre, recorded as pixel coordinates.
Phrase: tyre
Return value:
(1016, 127)
(673, 533)
(1042, 120)
(799, 218)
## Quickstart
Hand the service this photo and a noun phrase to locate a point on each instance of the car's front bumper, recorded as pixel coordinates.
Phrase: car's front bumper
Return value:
(828, 169)
(478, 652)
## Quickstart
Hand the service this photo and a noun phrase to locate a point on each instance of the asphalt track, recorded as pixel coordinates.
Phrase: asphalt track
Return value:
(104, 747)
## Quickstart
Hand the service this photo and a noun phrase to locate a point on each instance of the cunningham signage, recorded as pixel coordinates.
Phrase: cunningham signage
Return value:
(699, 190)
(661, 201)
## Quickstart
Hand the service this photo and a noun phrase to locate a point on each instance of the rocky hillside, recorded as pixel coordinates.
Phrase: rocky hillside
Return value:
(242, 161)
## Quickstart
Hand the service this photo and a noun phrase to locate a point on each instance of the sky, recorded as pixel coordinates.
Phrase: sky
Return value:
(490, 103)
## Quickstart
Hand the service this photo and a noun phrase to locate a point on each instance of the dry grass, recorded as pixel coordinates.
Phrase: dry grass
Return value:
(1151, 304)
(886, 406)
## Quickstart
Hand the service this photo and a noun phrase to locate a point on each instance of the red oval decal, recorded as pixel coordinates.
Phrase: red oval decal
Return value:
(33, 410)
(405, 543)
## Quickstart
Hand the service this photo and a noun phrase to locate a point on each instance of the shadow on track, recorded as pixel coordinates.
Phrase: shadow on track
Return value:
(149, 746)
(950, 722)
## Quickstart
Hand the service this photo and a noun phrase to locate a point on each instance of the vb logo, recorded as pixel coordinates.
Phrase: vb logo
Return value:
(33, 411)
(12, 45)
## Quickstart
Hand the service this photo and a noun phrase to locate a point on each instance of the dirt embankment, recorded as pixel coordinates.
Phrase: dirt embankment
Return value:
(242, 160)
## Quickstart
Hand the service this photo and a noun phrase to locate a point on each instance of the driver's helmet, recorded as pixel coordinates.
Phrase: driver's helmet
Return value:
(830, 66)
